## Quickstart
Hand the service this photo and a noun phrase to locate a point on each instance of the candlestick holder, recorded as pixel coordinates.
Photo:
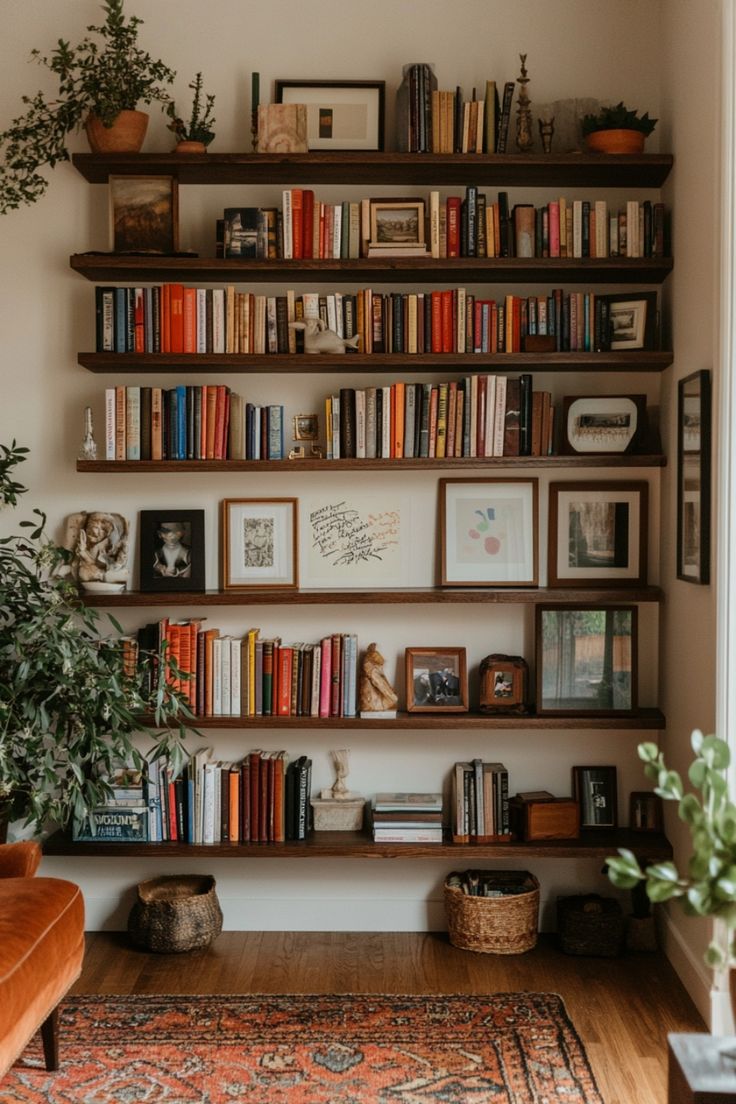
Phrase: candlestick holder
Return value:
(524, 135)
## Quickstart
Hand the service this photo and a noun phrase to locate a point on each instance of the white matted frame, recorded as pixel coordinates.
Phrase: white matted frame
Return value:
(341, 115)
(488, 532)
(259, 543)
(356, 540)
(597, 534)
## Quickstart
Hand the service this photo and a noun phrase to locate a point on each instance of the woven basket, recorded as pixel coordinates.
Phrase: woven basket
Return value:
(175, 913)
(590, 925)
(494, 925)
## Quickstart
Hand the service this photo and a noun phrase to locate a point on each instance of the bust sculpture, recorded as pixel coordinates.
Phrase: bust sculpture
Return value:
(99, 545)
(337, 809)
(375, 692)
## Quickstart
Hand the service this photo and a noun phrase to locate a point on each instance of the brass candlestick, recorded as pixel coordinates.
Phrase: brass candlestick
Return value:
(524, 136)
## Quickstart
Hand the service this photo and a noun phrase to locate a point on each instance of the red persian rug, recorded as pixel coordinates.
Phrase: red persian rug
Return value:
(507, 1048)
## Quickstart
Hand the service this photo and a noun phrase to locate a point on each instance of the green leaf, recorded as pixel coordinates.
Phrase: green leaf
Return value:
(717, 752)
(649, 752)
(690, 810)
(714, 956)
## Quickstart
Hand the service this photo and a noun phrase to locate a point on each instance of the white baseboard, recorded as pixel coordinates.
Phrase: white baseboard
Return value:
(690, 968)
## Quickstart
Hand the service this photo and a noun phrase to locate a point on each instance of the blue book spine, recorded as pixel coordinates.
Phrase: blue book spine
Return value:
(121, 319)
(181, 422)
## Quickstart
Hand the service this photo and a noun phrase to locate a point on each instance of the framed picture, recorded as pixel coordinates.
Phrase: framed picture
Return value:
(436, 680)
(144, 214)
(259, 543)
(397, 222)
(488, 532)
(586, 660)
(597, 534)
(356, 540)
(341, 115)
(595, 789)
(603, 423)
(693, 477)
(171, 550)
(645, 811)
(632, 320)
(306, 427)
(504, 684)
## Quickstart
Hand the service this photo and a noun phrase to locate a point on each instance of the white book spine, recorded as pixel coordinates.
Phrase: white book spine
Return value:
(601, 228)
(434, 223)
(500, 416)
(208, 804)
(370, 423)
(132, 423)
(225, 677)
(288, 244)
(386, 423)
(316, 679)
(337, 231)
(490, 415)
(331, 314)
(109, 423)
(217, 677)
(235, 681)
(218, 320)
(339, 318)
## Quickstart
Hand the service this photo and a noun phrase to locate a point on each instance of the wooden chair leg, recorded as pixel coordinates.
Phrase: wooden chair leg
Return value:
(50, 1038)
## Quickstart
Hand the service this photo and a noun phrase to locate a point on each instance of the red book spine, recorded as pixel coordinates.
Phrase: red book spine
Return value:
(447, 328)
(139, 332)
(436, 321)
(308, 223)
(336, 687)
(176, 312)
(453, 226)
(297, 223)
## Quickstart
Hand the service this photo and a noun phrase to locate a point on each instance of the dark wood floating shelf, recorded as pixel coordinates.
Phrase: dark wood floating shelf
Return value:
(641, 720)
(415, 597)
(465, 463)
(654, 361)
(560, 270)
(359, 845)
(573, 169)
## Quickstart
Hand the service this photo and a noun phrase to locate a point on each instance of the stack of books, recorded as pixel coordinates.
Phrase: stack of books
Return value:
(407, 818)
(124, 815)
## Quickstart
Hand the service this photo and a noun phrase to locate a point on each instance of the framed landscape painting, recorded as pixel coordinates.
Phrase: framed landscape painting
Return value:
(144, 214)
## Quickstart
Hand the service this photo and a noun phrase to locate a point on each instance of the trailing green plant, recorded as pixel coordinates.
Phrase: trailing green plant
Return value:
(618, 118)
(68, 703)
(708, 887)
(201, 119)
(101, 76)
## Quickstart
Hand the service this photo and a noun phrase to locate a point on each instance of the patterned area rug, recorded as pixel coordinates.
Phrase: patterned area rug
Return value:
(507, 1048)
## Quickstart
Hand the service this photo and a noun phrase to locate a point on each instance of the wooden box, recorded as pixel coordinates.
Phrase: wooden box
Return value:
(539, 815)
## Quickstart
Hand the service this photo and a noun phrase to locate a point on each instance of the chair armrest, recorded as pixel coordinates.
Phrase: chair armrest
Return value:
(19, 860)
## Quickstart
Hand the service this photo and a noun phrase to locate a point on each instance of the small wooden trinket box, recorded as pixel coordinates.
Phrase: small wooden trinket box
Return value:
(538, 815)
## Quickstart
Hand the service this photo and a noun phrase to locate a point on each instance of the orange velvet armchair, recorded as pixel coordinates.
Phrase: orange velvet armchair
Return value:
(41, 951)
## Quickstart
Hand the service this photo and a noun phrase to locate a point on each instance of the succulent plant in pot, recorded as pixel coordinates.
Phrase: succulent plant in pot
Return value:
(617, 129)
(195, 135)
(100, 84)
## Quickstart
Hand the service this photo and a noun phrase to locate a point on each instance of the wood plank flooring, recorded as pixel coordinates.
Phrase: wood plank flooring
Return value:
(622, 1007)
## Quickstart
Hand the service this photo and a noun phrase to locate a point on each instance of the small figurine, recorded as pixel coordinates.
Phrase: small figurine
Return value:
(337, 809)
(376, 695)
(88, 449)
(546, 130)
(318, 339)
(99, 543)
(524, 136)
(339, 791)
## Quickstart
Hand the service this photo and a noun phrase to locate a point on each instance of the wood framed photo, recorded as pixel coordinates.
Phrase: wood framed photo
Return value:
(597, 534)
(341, 115)
(436, 680)
(632, 320)
(504, 684)
(397, 222)
(586, 660)
(645, 811)
(595, 789)
(488, 532)
(144, 214)
(259, 544)
(171, 550)
(603, 423)
(693, 477)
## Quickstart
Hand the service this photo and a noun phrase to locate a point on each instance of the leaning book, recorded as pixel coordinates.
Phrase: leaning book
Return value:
(113, 823)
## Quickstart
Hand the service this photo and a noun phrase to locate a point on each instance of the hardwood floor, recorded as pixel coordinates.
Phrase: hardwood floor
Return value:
(622, 1007)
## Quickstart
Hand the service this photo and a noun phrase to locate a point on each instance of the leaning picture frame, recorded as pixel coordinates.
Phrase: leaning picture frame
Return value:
(171, 545)
(594, 788)
(341, 115)
(436, 680)
(397, 223)
(597, 534)
(259, 544)
(603, 423)
(488, 532)
(693, 477)
(632, 320)
(144, 214)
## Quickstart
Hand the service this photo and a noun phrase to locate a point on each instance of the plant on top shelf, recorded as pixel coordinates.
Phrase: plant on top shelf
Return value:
(97, 80)
(617, 129)
(201, 121)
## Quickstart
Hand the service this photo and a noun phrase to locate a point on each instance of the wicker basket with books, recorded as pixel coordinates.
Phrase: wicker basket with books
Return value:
(492, 911)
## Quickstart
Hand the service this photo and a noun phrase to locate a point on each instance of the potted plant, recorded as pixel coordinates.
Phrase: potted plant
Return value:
(617, 129)
(100, 84)
(68, 704)
(196, 135)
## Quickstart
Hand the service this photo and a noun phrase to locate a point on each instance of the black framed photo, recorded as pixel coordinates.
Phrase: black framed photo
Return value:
(597, 534)
(595, 789)
(693, 477)
(632, 320)
(586, 660)
(171, 543)
(341, 115)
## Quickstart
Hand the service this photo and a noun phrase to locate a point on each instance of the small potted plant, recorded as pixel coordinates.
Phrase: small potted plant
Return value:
(196, 135)
(616, 130)
(101, 82)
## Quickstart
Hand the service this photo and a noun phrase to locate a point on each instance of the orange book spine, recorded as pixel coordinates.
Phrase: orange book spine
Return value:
(279, 817)
(397, 418)
(283, 707)
(297, 223)
(234, 806)
(189, 320)
(220, 414)
(448, 330)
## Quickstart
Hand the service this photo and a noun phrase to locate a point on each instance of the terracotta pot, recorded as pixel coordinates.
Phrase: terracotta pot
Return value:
(124, 136)
(190, 147)
(615, 141)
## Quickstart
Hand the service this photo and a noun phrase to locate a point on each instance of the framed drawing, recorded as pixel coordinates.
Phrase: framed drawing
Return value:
(693, 477)
(397, 222)
(488, 532)
(357, 540)
(603, 423)
(632, 320)
(595, 789)
(597, 534)
(341, 115)
(259, 543)
(586, 660)
(144, 214)
(436, 680)
(171, 546)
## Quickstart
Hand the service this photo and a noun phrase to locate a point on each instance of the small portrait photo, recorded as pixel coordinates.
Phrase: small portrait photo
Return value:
(172, 550)
(436, 680)
(144, 214)
(503, 684)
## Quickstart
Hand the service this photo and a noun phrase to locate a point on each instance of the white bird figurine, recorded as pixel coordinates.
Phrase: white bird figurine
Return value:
(318, 339)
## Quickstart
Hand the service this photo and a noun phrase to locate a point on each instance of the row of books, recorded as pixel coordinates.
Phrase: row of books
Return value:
(480, 802)
(407, 818)
(480, 415)
(432, 120)
(188, 422)
(247, 676)
(487, 883)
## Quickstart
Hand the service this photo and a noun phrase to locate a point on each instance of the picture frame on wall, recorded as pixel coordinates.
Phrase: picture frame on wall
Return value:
(597, 534)
(603, 423)
(436, 680)
(172, 556)
(596, 791)
(488, 532)
(144, 214)
(694, 477)
(259, 544)
(632, 320)
(586, 660)
(341, 115)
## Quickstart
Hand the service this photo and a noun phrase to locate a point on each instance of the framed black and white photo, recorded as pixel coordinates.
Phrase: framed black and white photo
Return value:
(171, 550)
(144, 214)
(259, 543)
(595, 789)
(586, 660)
(693, 477)
(341, 115)
(436, 680)
(632, 320)
(603, 423)
(597, 534)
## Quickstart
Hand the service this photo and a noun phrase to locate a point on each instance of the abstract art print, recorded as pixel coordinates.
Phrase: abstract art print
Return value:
(488, 532)
(259, 543)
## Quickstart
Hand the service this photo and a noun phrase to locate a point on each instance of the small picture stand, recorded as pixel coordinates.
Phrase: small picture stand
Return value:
(306, 428)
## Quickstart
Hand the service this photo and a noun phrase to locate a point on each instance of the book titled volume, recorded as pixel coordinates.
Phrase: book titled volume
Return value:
(113, 823)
